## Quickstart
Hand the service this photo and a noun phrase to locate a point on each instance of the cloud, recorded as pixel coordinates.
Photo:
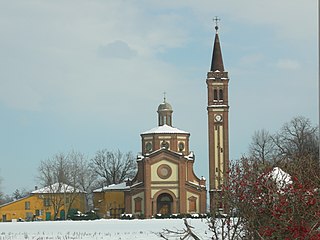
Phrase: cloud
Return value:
(52, 60)
(288, 64)
(117, 49)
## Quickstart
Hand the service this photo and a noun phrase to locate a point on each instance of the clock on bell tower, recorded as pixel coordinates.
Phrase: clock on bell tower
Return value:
(218, 127)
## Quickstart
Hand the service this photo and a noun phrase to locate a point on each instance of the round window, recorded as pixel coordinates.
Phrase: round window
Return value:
(164, 171)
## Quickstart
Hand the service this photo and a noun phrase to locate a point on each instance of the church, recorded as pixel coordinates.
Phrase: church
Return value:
(165, 182)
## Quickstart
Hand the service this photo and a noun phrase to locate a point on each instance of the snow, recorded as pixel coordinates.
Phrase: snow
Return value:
(120, 186)
(99, 229)
(281, 178)
(218, 105)
(190, 156)
(58, 188)
(140, 157)
(165, 129)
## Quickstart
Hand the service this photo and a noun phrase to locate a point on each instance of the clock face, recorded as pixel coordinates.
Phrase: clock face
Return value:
(218, 118)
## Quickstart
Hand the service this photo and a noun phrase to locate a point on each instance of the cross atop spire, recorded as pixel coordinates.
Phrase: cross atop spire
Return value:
(164, 96)
(216, 20)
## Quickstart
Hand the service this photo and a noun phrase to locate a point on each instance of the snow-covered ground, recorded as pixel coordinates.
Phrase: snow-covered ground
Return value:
(98, 229)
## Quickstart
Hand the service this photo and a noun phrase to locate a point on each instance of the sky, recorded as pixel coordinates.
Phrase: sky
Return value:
(89, 74)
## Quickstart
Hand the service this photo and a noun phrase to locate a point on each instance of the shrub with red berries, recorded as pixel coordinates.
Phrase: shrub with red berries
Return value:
(280, 201)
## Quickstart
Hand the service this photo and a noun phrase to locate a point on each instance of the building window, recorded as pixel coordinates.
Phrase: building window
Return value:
(165, 145)
(148, 147)
(46, 202)
(220, 95)
(38, 212)
(215, 95)
(137, 204)
(29, 216)
(181, 146)
(27, 205)
(192, 204)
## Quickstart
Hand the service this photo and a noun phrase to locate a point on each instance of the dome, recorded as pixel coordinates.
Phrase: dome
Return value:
(164, 107)
(165, 113)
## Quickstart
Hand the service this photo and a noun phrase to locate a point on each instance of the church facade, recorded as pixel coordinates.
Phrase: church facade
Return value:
(166, 182)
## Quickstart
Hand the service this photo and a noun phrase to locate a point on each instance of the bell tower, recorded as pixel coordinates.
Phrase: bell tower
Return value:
(218, 127)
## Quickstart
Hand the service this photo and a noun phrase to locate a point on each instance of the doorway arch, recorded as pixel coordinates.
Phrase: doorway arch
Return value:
(164, 204)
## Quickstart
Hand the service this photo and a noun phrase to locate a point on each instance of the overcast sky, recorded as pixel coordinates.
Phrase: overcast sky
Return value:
(89, 74)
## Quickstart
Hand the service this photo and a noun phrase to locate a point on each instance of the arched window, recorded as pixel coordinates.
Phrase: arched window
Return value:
(221, 95)
(215, 94)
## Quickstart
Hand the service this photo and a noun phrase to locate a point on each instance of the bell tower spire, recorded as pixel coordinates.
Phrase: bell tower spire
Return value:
(218, 126)
(216, 62)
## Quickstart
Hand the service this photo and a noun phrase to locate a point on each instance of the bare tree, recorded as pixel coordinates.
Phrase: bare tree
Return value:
(53, 170)
(186, 233)
(297, 138)
(85, 177)
(52, 174)
(262, 146)
(114, 167)
(19, 193)
(64, 174)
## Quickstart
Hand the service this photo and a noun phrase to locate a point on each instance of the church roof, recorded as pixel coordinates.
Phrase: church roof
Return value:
(217, 62)
(165, 129)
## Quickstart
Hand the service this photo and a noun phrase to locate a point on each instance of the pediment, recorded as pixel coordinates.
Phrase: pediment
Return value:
(165, 154)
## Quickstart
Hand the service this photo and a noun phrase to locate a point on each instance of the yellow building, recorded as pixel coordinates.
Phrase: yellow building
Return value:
(48, 203)
(109, 201)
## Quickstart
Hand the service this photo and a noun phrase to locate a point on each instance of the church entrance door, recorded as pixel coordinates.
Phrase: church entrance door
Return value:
(164, 204)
